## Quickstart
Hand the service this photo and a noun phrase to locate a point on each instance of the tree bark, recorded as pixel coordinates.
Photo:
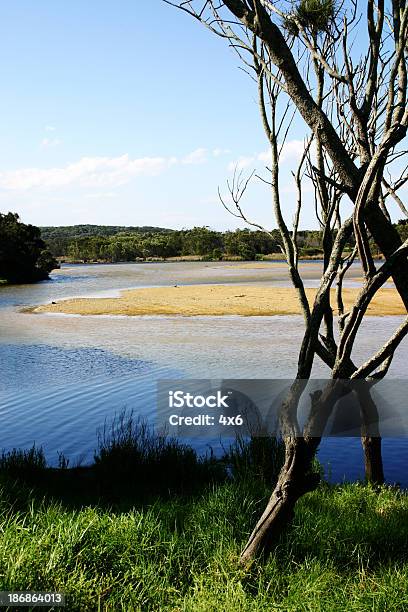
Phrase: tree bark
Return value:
(295, 479)
(370, 435)
(374, 471)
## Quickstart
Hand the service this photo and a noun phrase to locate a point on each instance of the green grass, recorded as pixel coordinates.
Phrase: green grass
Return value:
(111, 542)
(345, 551)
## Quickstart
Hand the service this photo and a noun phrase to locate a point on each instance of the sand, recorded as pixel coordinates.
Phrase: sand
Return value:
(191, 300)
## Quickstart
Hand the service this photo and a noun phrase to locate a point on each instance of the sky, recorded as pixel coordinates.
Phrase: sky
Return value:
(127, 113)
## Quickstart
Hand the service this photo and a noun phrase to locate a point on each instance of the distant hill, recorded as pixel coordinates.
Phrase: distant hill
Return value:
(84, 231)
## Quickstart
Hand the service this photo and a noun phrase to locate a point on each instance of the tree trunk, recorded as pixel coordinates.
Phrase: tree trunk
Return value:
(370, 434)
(374, 472)
(295, 479)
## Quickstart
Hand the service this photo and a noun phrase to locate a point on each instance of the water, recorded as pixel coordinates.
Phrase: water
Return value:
(62, 376)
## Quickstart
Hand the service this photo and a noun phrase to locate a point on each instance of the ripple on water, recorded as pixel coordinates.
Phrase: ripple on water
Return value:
(58, 398)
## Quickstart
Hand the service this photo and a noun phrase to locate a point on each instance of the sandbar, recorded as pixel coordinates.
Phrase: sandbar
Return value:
(215, 300)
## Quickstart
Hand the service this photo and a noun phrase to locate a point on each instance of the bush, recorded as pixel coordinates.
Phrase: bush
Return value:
(132, 457)
(23, 257)
(217, 254)
(23, 462)
(257, 458)
(311, 251)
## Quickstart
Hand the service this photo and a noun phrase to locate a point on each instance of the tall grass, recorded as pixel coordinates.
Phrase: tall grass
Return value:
(346, 549)
(345, 552)
(132, 458)
(18, 461)
(260, 458)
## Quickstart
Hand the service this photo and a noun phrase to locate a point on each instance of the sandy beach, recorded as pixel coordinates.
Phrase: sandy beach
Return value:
(193, 300)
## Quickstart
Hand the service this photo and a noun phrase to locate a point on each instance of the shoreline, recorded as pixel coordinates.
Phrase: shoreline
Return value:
(214, 300)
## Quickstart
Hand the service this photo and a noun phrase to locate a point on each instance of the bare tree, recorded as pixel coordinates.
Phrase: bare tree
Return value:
(353, 101)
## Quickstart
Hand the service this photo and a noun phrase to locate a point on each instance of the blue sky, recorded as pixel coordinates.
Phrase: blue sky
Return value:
(126, 113)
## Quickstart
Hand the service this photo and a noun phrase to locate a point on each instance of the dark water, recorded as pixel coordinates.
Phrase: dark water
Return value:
(61, 377)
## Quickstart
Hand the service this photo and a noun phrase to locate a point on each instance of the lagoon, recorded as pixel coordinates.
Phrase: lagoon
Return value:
(62, 376)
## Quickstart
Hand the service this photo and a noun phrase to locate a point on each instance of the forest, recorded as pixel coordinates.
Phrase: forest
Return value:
(87, 243)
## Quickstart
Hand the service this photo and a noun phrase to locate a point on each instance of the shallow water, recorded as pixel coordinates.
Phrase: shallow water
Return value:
(62, 376)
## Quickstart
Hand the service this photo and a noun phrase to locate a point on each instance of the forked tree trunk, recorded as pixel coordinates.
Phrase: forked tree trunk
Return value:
(295, 479)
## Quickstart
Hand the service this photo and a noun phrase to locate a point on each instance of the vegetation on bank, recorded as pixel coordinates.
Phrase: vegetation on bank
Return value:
(24, 257)
(114, 243)
(130, 244)
(119, 536)
(28, 254)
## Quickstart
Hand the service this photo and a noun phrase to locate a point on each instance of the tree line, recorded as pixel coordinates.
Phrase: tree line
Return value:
(28, 253)
(133, 244)
(117, 243)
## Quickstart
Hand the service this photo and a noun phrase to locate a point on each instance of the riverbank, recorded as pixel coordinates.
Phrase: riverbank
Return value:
(346, 550)
(272, 257)
(214, 300)
(190, 258)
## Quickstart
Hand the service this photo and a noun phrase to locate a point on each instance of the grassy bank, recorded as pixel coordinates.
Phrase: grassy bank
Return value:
(150, 527)
(345, 551)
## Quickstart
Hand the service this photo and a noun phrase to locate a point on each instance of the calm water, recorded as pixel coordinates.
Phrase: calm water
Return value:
(62, 376)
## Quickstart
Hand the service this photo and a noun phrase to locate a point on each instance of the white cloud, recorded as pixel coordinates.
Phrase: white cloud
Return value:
(199, 156)
(87, 172)
(265, 156)
(292, 150)
(218, 152)
(291, 188)
(50, 128)
(93, 171)
(241, 163)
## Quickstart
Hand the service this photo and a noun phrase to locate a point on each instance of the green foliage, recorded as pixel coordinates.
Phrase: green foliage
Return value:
(78, 231)
(312, 252)
(315, 15)
(216, 254)
(115, 244)
(247, 243)
(59, 239)
(23, 257)
(402, 227)
(201, 241)
(132, 244)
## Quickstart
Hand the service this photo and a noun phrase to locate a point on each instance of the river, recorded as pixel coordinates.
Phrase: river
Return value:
(62, 376)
